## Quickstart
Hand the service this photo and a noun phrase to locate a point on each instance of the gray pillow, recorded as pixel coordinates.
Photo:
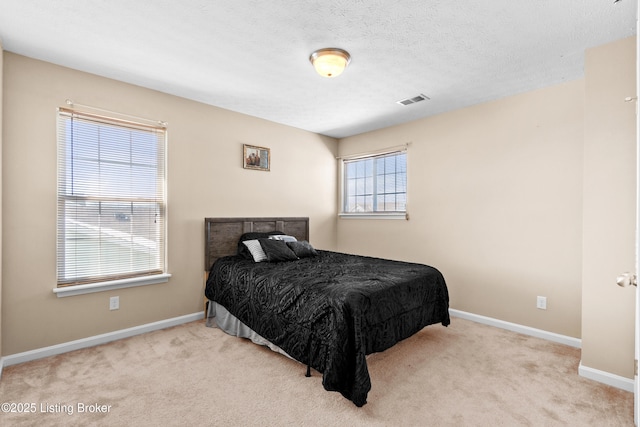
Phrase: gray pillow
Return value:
(277, 250)
(302, 249)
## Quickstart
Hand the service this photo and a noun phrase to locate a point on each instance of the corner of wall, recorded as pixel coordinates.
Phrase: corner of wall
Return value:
(609, 208)
(1, 116)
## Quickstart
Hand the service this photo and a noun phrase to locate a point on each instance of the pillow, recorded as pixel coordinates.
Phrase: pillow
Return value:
(255, 249)
(302, 249)
(283, 237)
(254, 235)
(277, 250)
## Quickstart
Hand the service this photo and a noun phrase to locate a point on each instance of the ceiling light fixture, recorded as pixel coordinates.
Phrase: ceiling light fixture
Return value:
(330, 62)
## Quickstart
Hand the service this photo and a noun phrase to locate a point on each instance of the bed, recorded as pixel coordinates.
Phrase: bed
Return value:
(327, 310)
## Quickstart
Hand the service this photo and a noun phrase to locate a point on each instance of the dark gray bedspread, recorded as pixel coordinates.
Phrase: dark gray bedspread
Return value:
(329, 311)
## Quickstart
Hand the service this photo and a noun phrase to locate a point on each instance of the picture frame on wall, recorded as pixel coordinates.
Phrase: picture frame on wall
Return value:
(258, 158)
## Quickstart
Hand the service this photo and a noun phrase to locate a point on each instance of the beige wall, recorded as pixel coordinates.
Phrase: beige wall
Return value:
(205, 178)
(609, 208)
(1, 118)
(528, 195)
(495, 202)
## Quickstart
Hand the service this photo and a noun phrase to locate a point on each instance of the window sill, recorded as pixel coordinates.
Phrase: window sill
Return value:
(69, 291)
(374, 215)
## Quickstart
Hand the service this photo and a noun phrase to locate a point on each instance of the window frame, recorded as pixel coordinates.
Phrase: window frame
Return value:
(126, 279)
(373, 214)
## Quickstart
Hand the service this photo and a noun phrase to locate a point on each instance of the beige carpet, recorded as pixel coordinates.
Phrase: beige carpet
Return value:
(464, 375)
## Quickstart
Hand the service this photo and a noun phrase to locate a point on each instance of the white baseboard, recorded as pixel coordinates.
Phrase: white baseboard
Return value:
(606, 378)
(584, 371)
(53, 350)
(526, 330)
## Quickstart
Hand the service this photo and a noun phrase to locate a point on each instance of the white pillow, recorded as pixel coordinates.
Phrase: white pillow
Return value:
(285, 238)
(256, 250)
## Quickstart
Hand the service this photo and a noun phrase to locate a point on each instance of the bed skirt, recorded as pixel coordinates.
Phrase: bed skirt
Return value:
(218, 316)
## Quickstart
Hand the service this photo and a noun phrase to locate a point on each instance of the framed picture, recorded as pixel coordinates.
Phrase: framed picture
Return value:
(256, 158)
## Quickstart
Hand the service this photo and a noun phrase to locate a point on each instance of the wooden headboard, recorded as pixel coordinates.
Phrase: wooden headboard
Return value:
(221, 235)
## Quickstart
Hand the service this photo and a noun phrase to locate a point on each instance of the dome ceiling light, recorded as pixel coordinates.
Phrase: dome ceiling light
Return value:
(330, 62)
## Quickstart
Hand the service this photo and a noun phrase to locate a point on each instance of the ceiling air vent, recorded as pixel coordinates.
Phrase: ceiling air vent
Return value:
(413, 100)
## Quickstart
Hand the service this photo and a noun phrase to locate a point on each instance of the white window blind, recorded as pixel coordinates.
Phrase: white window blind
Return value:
(376, 183)
(111, 199)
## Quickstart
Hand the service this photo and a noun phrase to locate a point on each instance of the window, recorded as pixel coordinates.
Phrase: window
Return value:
(111, 199)
(375, 184)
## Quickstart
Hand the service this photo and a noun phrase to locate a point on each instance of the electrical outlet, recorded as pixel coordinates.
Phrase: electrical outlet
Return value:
(114, 303)
(541, 303)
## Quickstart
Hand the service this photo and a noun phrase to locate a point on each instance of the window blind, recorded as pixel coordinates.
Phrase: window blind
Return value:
(376, 183)
(111, 198)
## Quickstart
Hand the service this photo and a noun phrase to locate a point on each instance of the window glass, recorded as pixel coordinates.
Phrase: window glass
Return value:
(111, 199)
(376, 184)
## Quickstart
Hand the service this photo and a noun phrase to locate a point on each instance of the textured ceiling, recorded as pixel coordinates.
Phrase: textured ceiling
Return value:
(251, 56)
